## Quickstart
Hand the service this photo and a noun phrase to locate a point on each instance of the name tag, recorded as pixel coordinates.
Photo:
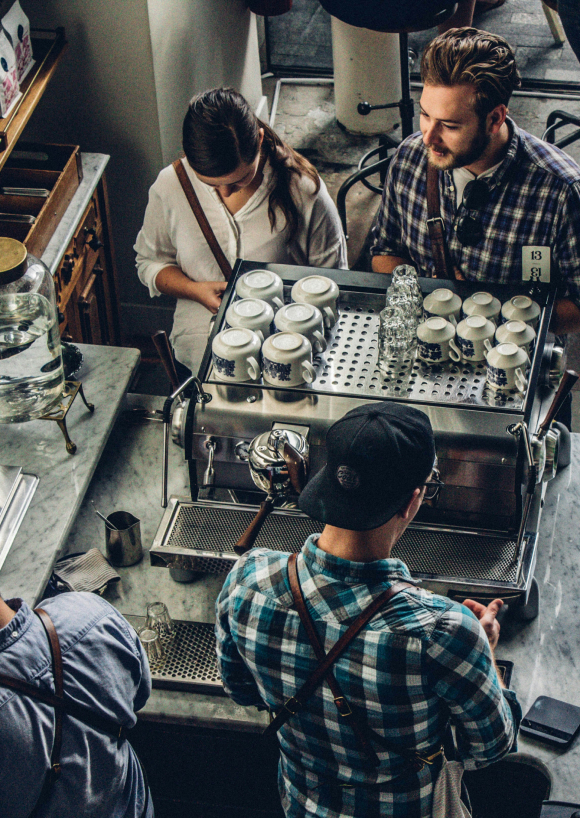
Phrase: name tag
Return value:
(536, 264)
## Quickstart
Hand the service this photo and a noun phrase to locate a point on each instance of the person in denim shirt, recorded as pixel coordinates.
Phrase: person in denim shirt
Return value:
(105, 670)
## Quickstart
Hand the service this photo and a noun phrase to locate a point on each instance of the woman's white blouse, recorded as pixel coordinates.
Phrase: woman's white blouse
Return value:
(171, 236)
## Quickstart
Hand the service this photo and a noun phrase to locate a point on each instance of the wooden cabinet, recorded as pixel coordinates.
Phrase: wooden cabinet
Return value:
(85, 274)
(86, 281)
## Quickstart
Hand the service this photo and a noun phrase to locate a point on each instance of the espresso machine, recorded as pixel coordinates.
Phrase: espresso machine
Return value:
(251, 446)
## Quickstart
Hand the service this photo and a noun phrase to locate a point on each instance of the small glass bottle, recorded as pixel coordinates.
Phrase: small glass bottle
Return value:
(31, 370)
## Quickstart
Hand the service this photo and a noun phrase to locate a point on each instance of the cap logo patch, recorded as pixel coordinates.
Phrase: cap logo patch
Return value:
(348, 478)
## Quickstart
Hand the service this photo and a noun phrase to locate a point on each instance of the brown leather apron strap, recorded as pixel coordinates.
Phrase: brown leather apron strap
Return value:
(58, 687)
(295, 703)
(195, 205)
(342, 704)
(436, 226)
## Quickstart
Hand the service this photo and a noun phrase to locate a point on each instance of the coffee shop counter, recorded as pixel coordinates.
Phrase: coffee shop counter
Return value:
(545, 651)
(38, 447)
(128, 478)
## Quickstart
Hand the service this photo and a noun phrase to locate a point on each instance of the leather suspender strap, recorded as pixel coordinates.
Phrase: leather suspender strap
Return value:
(295, 703)
(342, 705)
(195, 205)
(77, 711)
(58, 687)
(436, 226)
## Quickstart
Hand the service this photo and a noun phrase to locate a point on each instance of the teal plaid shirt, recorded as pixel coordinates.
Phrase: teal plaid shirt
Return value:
(421, 661)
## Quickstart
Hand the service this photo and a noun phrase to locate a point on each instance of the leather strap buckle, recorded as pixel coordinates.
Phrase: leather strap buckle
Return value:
(436, 219)
(293, 702)
(342, 706)
(429, 759)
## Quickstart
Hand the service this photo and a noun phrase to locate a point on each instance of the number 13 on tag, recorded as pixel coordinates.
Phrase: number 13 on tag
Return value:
(536, 264)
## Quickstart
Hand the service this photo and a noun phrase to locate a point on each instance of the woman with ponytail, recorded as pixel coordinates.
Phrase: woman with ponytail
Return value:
(263, 201)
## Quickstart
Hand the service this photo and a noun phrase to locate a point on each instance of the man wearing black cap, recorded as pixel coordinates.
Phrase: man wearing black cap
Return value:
(362, 736)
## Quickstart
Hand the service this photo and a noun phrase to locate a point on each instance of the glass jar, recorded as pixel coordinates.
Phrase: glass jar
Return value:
(31, 371)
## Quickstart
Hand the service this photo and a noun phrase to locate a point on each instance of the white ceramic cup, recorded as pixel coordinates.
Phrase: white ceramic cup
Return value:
(235, 354)
(482, 303)
(320, 291)
(287, 359)
(475, 337)
(521, 308)
(306, 319)
(251, 313)
(435, 341)
(442, 302)
(506, 367)
(263, 284)
(516, 332)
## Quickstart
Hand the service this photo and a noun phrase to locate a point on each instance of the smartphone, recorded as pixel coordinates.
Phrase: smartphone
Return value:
(552, 721)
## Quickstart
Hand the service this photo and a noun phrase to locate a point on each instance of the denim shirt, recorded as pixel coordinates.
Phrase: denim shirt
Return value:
(105, 669)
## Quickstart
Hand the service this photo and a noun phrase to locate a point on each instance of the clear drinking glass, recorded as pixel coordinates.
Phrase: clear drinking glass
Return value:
(151, 642)
(405, 274)
(158, 619)
(399, 295)
(396, 337)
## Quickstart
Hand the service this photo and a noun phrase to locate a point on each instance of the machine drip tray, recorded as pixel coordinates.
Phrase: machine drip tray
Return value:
(190, 658)
(201, 536)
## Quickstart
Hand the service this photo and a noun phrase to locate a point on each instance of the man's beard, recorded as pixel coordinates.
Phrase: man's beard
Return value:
(452, 160)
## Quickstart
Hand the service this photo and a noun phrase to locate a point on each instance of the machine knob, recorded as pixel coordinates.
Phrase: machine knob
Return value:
(242, 451)
(557, 366)
(178, 420)
(94, 242)
(364, 108)
(67, 268)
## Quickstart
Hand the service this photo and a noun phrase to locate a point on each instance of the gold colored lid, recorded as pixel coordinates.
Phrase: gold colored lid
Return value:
(12, 259)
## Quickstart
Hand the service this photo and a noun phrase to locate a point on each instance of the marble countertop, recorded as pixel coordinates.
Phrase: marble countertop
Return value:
(128, 478)
(545, 651)
(39, 448)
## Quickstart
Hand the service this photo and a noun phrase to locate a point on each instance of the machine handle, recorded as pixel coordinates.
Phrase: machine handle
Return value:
(249, 536)
(566, 384)
(163, 348)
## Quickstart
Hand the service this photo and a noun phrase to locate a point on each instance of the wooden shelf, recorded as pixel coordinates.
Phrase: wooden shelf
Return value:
(47, 48)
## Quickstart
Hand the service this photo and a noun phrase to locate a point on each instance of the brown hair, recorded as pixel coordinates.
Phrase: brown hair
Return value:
(472, 57)
(220, 132)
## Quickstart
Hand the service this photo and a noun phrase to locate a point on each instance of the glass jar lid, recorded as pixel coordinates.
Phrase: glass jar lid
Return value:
(12, 260)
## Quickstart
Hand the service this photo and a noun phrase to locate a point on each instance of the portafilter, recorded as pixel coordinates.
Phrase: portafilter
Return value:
(278, 462)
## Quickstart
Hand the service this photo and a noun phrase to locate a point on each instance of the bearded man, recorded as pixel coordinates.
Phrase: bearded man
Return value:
(503, 193)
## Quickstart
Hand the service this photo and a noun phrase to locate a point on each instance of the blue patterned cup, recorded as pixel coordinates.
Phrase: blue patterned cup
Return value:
(235, 354)
(506, 367)
(251, 313)
(435, 341)
(475, 337)
(287, 359)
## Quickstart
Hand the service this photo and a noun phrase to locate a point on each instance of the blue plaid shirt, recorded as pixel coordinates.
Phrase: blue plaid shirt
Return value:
(535, 201)
(419, 662)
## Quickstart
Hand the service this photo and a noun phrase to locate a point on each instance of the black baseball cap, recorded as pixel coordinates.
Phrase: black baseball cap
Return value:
(377, 455)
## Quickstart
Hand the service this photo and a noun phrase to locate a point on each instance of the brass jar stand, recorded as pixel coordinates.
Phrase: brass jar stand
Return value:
(60, 410)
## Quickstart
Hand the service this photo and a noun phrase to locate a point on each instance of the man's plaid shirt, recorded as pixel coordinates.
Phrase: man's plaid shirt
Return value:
(535, 201)
(420, 661)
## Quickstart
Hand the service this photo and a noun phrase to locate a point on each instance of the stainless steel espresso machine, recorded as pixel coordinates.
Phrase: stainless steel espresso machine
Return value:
(497, 451)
